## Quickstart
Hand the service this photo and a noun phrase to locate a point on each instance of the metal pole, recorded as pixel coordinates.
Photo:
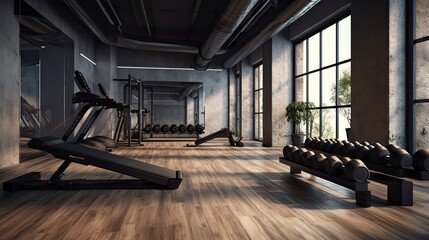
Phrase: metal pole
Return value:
(139, 114)
(130, 101)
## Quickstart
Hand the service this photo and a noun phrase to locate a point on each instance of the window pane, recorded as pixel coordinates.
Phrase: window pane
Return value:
(314, 88)
(255, 125)
(328, 86)
(422, 125)
(300, 58)
(314, 52)
(344, 84)
(328, 123)
(301, 88)
(261, 97)
(256, 101)
(422, 73)
(329, 53)
(344, 39)
(261, 121)
(261, 76)
(256, 78)
(344, 118)
(314, 128)
(422, 18)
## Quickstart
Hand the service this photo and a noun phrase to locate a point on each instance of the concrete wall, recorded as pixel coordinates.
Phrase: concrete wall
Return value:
(215, 84)
(247, 108)
(10, 79)
(422, 74)
(278, 82)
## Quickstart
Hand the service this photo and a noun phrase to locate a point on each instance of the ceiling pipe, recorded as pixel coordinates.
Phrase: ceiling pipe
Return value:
(234, 14)
(295, 10)
(127, 42)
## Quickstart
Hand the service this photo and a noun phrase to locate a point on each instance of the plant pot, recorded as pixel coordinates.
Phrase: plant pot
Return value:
(298, 140)
(349, 134)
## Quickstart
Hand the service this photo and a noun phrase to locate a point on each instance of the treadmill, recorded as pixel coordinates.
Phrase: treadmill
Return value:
(144, 175)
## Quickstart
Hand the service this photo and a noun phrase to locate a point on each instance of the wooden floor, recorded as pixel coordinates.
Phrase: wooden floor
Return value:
(226, 193)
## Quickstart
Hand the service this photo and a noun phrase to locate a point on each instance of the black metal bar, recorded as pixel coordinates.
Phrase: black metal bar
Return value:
(422, 39)
(57, 175)
(330, 107)
(337, 58)
(421, 101)
(322, 68)
(320, 85)
(410, 76)
(130, 101)
(139, 114)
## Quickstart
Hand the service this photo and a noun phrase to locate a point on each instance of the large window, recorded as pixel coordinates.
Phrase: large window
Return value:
(418, 76)
(258, 102)
(323, 76)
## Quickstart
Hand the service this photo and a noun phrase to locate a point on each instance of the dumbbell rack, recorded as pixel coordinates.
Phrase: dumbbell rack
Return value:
(363, 195)
(399, 172)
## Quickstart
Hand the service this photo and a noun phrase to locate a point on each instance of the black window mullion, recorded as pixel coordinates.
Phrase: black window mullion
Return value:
(320, 85)
(337, 56)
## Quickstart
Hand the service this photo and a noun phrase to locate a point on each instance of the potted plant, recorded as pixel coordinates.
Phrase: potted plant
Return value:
(344, 97)
(298, 112)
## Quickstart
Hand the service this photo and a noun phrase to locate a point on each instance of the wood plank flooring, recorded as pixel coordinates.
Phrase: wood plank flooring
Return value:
(226, 193)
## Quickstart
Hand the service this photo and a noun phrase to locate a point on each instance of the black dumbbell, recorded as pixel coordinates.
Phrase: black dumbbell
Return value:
(337, 147)
(165, 128)
(321, 145)
(357, 143)
(306, 158)
(344, 160)
(199, 129)
(182, 128)
(356, 170)
(307, 142)
(347, 149)
(361, 153)
(290, 153)
(399, 158)
(313, 143)
(421, 160)
(327, 147)
(174, 128)
(156, 128)
(286, 149)
(317, 161)
(297, 155)
(190, 128)
(333, 165)
(378, 154)
(147, 128)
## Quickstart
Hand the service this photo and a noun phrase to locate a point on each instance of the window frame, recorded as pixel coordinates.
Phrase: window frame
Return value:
(257, 112)
(306, 72)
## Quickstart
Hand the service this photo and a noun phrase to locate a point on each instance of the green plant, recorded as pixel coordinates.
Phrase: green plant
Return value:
(196, 118)
(299, 112)
(344, 94)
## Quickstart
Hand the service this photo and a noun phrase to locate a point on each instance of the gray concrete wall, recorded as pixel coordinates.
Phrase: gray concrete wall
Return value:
(370, 70)
(397, 79)
(422, 74)
(278, 82)
(10, 80)
(215, 84)
(246, 100)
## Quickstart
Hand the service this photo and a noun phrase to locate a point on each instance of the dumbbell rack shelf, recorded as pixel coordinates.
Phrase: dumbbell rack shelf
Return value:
(399, 172)
(363, 195)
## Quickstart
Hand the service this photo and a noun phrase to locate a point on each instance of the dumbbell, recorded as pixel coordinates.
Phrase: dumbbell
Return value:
(165, 128)
(156, 128)
(290, 153)
(297, 155)
(399, 158)
(357, 143)
(308, 142)
(378, 154)
(361, 153)
(313, 143)
(336, 148)
(332, 165)
(347, 149)
(321, 145)
(199, 129)
(182, 128)
(190, 128)
(305, 158)
(286, 149)
(327, 147)
(421, 160)
(147, 128)
(365, 143)
(173, 128)
(317, 161)
(356, 170)
(344, 160)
